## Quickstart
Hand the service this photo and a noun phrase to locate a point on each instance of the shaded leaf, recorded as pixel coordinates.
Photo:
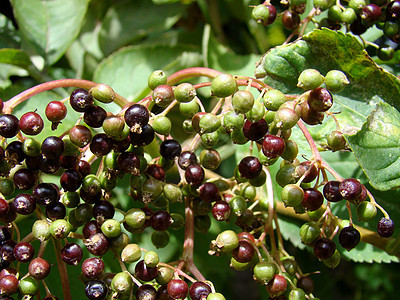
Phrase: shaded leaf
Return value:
(130, 21)
(377, 147)
(15, 57)
(51, 26)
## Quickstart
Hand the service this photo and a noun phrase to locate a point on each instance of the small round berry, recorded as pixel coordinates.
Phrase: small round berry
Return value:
(122, 283)
(250, 167)
(39, 268)
(385, 227)
(336, 81)
(156, 78)
(244, 252)
(227, 241)
(9, 125)
(56, 111)
(80, 100)
(350, 189)
(163, 95)
(177, 289)
(223, 86)
(31, 123)
(71, 254)
(103, 93)
(290, 20)
(260, 14)
(170, 149)
(96, 290)
(194, 175)
(145, 273)
(310, 79)
(242, 101)
(185, 92)
(199, 290)
(273, 146)
(292, 195)
(336, 141)
(136, 114)
(52, 147)
(320, 99)
(366, 211)
(324, 248)
(349, 237)
(277, 286)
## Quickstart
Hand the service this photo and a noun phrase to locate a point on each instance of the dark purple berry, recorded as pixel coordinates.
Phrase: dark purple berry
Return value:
(324, 248)
(81, 100)
(199, 290)
(24, 204)
(250, 167)
(136, 114)
(256, 130)
(273, 146)
(94, 116)
(71, 254)
(52, 147)
(96, 290)
(187, 158)
(24, 252)
(169, 149)
(331, 191)
(350, 189)
(194, 175)
(349, 237)
(312, 200)
(385, 227)
(9, 125)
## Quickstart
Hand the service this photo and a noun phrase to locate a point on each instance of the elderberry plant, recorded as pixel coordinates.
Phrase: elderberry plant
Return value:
(167, 162)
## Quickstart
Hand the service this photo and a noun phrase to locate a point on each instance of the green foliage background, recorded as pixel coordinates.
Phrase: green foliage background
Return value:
(121, 42)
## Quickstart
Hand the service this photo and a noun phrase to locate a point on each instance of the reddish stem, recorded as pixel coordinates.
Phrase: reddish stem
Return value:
(47, 86)
(192, 72)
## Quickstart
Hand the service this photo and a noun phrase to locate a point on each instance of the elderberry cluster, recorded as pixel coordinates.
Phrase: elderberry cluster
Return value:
(81, 212)
(355, 16)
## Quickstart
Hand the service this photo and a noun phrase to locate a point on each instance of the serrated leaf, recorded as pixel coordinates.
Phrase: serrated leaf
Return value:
(367, 253)
(15, 57)
(50, 26)
(377, 147)
(127, 70)
(130, 21)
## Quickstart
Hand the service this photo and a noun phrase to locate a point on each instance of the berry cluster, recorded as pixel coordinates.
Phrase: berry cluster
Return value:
(355, 16)
(81, 213)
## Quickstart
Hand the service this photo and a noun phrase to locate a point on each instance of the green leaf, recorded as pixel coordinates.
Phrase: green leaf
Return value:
(15, 57)
(223, 59)
(127, 70)
(130, 21)
(377, 147)
(50, 26)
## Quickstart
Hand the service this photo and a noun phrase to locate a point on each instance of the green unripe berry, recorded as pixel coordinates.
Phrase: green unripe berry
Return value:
(164, 275)
(242, 101)
(122, 283)
(185, 92)
(238, 266)
(336, 141)
(223, 86)
(227, 241)
(348, 15)
(28, 286)
(162, 125)
(260, 14)
(310, 79)
(366, 211)
(286, 175)
(297, 294)
(111, 228)
(114, 126)
(131, 253)
(309, 232)
(237, 137)
(135, 218)
(172, 193)
(119, 243)
(290, 265)
(177, 221)
(357, 5)
(91, 183)
(160, 239)
(335, 13)
(385, 52)
(60, 229)
(215, 296)
(210, 159)
(210, 139)
(263, 272)
(249, 192)
(70, 148)
(323, 4)
(31, 147)
(232, 121)
(107, 182)
(157, 78)
(103, 93)
(316, 214)
(84, 212)
(151, 259)
(41, 230)
(333, 261)
(291, 150)
(336, 81)
(259, 180)
(285, 118)
(292, 195)
(209, 123)
(238, 205)
(70, 199)
(189, 109)
(7, 187)
(256, 113)
(273, 99)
